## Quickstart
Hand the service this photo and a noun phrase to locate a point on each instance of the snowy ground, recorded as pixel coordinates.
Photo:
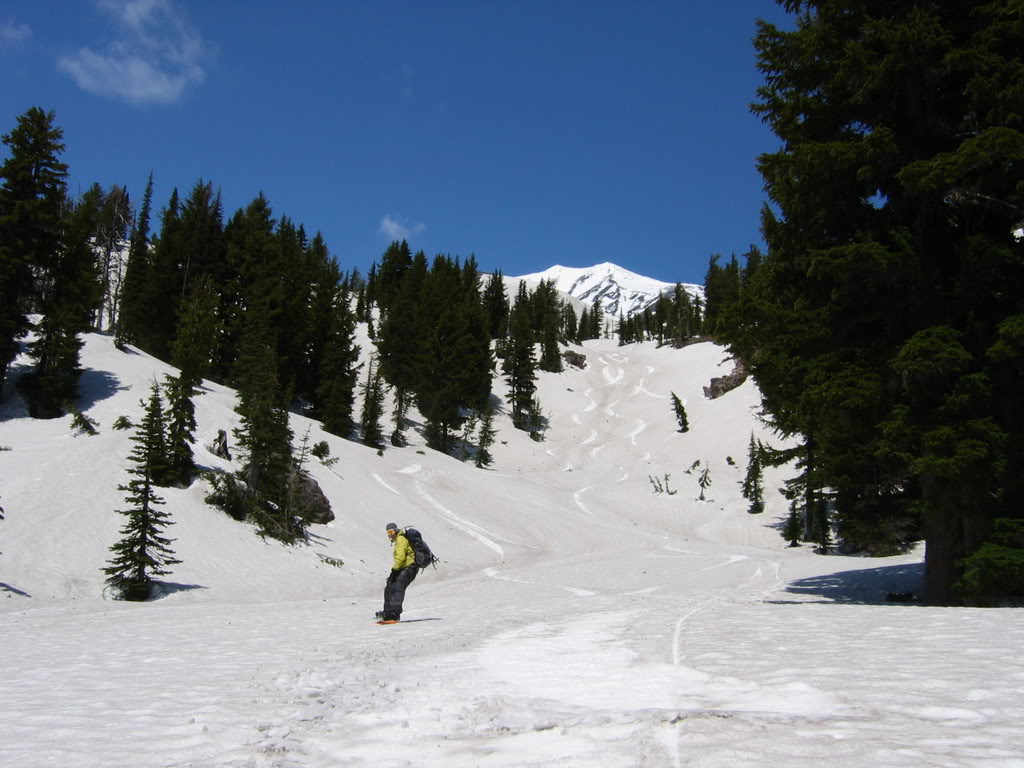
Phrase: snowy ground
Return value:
(577, 619)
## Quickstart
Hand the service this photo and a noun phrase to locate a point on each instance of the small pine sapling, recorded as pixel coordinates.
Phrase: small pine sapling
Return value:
(704, 481)
(793, 528)
(123, 422)
(753, 482)
(486, 438)
(680, 412)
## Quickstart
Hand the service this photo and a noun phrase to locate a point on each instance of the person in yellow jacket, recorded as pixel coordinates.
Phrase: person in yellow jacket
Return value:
(403, 571)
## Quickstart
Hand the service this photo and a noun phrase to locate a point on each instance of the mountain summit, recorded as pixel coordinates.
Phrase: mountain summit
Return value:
(620, 291)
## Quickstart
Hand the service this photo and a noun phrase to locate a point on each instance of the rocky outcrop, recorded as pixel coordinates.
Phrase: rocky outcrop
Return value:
(310, 500)
(722, 384)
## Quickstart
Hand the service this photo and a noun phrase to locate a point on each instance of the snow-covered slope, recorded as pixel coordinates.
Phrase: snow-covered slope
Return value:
(619, 290)
(578, 617)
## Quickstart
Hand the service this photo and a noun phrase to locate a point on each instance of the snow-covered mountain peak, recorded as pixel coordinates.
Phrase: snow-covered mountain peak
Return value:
(619, 290)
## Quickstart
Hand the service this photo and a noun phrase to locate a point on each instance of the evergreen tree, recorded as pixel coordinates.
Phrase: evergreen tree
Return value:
(753, 481)
(897, 180)
(264, 437)
(69, 298)
(31, 210)
(373, 408)
(181, 425)
(113, 220)
(519, 365)
(335, 395)
(704, 481)
(791, 530)
(680, 411)
(131, 317)
(144, 552)
(486, 438)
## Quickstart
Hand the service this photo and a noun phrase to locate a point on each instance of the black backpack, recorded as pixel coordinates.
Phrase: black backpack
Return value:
(424, 556)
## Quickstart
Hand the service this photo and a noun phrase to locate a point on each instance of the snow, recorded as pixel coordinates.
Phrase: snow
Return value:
(578, 618)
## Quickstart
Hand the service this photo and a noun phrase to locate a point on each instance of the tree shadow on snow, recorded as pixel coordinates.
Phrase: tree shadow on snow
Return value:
(94, 386)
(14, 590)
(887, 585)
(162, 589)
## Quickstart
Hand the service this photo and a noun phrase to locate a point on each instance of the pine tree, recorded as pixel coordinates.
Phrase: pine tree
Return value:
(897, 179)
(680, 411)
(373, 408)
(131, 317)
(71, 295)
(753, 481)
(339, 370)
(181, 425)
(263, 436)
(486, 438)
(144, 552)
(704, 481)
(792, 529)
(519, 365)
(31, 211)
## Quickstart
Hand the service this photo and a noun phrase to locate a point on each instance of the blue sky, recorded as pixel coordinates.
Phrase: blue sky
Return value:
(527, 133)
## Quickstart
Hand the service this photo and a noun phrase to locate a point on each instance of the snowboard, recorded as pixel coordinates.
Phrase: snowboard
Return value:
(388, 621)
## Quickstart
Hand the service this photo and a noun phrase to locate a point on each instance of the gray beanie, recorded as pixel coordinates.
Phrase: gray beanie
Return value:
(390, 527)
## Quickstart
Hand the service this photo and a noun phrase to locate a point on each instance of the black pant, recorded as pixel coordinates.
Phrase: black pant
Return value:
(394, 591)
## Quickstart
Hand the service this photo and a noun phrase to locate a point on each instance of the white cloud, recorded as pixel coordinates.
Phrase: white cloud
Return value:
(156, 57)
(11, 33)
(397, 229)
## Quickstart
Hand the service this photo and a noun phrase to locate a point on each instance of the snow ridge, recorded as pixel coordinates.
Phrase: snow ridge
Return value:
(619, 290)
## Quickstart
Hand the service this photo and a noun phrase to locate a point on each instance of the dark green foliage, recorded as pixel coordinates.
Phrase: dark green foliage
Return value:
(264, 437)
(339, 368)
(113, 220)
(519, 365)
(82, 423)
(122, 422)
(793, 528)
(876, 323)
(483, 456)
(994, 573)
(132, 314)
(680, 411)
(143, 552)
(181, 426)
(373, 408)
(704, 481)
(753, 481)
(67, 302)
(31, 210)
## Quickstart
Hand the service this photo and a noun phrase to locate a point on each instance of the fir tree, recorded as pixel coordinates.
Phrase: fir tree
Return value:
(519, 365)
(793, 527)
(373, 408)
(704, 481)
(144, 552)
(31, 211)
(131, 317)
(680, 411)
(897, 176)
(335, 395)
(753, 481)
(67, 303)
(264, 437)
(181, 425)
(486, 438)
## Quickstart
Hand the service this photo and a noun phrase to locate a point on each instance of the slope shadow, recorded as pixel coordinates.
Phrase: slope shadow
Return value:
(162, 589)
(8, 588)
(94, 386)
(887, 585)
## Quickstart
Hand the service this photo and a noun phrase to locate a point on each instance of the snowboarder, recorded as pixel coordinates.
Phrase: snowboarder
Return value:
(403, 571)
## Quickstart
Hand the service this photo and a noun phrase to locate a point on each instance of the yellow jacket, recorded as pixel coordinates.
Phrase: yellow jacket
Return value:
(404, 556)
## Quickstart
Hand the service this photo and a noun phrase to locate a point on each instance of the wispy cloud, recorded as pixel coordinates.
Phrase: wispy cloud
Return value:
(397, 229)
(154, 58)
(11, 33)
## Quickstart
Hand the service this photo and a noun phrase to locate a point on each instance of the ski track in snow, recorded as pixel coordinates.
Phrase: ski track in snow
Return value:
(380, 480)
(478, 532)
